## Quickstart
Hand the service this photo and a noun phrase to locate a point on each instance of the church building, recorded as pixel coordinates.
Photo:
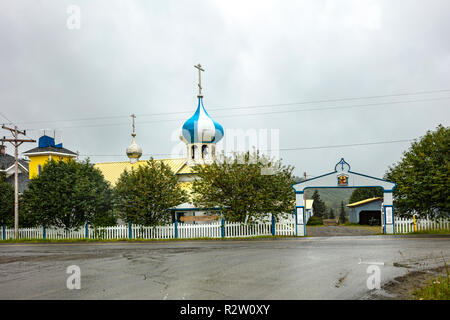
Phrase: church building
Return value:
(200, 133)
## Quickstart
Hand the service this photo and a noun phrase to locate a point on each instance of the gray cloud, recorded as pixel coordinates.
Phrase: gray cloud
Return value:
(138, 56)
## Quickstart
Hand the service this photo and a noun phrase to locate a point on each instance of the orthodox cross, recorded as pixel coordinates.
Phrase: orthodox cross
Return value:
(133, 117)
(199, 67)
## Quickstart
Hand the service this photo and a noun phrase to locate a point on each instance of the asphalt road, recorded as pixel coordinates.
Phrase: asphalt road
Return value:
(307, 268)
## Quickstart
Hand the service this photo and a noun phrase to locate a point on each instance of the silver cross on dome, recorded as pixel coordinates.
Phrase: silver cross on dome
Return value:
(200, 69)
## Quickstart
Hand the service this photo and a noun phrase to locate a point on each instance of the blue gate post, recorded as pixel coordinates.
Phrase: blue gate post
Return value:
(4, 232)
(273, 225)
(86, 230)
(222, 228)
(176, 226)
(129, 230)
(44, 232)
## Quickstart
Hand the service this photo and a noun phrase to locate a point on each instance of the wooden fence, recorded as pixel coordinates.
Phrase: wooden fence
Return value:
(216, 229)
(406, 225)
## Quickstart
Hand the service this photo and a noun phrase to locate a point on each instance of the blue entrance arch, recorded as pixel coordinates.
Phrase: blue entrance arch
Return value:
(343, 177)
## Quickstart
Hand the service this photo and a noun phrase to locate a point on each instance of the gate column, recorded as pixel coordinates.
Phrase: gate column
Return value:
(388, 213)
(300, 228)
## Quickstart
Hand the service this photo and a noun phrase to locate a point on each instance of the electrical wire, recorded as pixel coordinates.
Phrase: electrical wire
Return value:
(266, 150)
(260, 113)
(240, 107)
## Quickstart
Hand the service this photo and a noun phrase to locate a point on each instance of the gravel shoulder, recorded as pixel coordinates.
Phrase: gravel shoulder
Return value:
(330, 231)
(402, 287)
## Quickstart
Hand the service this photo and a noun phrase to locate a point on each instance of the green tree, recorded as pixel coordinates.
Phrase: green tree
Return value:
(319, 207)
(331, 214)
(342, 215)
(144, 195)
(6, 201)
(246, 186)
(67, 194)
(423, 176)
(365, 193)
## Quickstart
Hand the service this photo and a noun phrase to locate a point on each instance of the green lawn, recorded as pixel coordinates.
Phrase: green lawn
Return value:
(431, 232)
(437, 289)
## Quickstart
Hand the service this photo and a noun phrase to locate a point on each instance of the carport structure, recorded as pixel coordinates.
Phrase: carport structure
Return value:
(343, 177)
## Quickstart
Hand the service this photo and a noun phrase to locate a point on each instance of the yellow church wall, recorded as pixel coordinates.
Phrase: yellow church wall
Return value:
(41, 160)
(112, 170)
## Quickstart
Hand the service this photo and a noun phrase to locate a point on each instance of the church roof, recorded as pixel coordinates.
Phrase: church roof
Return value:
(112, 170)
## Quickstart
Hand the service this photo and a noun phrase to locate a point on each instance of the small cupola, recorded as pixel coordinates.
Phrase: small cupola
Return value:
(134, 151)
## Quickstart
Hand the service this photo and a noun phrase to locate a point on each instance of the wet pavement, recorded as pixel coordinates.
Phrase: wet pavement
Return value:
(306, 268)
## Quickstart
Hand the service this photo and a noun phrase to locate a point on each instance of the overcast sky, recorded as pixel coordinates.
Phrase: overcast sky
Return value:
(138, 56)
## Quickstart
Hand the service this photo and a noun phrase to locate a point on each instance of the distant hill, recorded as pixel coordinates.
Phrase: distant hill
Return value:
(331, 196)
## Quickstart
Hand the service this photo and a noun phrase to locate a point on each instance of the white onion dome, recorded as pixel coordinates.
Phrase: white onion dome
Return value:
(201, 128)
(134, 151)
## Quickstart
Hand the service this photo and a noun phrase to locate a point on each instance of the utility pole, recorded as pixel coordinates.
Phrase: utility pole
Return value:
(304, 193)
(16, 142)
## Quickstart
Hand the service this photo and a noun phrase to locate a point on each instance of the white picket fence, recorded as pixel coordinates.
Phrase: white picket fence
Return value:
(406, 225)
(180, 230)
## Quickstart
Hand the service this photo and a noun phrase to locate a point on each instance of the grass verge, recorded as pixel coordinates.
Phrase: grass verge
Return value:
(31, 240)
(437, 289)
(431, 232)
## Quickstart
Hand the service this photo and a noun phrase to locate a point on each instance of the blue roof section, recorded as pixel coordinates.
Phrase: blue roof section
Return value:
(202, 119)
(46, 141)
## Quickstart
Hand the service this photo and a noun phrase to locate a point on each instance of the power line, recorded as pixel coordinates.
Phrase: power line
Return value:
(264, 113)
(280, 149)
(241, 107)
(3, 116)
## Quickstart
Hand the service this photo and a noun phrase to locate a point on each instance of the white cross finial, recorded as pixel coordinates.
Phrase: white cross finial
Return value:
(200, 69)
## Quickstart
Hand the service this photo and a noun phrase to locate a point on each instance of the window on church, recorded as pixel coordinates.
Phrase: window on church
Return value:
(195, 152)
(204, 151)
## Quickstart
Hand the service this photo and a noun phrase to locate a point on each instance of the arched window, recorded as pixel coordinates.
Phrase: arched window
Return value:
(204, 151)
(195, 154)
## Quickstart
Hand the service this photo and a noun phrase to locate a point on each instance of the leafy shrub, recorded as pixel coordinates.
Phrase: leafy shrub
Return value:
(315, 221)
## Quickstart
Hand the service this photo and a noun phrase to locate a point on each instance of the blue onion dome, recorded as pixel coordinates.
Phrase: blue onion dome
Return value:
(201, 128)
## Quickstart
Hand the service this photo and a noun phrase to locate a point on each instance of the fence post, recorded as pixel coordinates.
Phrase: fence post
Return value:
(86, 230)
(4, 232)
(44, 232)
(176, 226)
(273, 225)
(129, 230)
(222, 228)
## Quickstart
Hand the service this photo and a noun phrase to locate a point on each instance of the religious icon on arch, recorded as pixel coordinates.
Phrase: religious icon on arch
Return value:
(342, 180)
